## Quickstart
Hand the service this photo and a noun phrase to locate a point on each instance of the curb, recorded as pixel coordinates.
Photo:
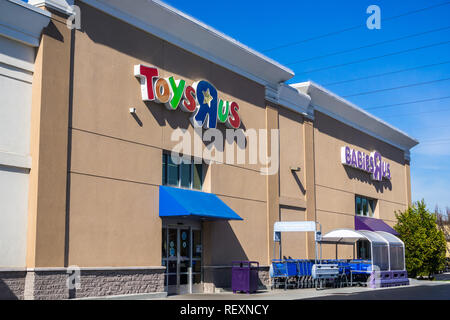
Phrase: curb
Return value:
(140, 296)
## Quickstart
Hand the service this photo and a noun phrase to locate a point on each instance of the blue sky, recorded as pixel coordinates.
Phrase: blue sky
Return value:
(263, 25)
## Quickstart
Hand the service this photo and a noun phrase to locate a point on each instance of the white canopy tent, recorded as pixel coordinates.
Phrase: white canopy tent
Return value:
(386, 249)
(293, 226)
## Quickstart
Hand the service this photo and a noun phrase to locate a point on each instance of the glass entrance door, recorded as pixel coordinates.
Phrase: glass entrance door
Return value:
(182, 256)
(184, 260)
(172, 260)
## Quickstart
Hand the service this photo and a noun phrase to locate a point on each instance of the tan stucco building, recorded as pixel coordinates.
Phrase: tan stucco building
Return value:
(99, 156)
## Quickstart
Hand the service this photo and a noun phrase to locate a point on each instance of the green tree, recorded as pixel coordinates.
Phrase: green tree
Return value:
(424, 243)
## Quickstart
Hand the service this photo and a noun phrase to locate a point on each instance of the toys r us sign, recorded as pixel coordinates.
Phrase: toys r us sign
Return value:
(200, 99)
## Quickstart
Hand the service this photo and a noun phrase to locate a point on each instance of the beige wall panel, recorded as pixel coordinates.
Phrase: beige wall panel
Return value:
(331, 221)
(104, 91)
(399, 185)
(113, 223)
(332, 200)
(330, 136)
(408, 182)
(107, 157)
(48, 148)
(237, 182)
(181, 65)
(388, 209)
(309, 164)
(308, 129)
(294, 244)
(103, 94)
(219, 152)
(250, 98)
(252, 120)
(343, 251)
(337, 201)
(292, 184)
(227, 241)
(273, 185)
(238, 87)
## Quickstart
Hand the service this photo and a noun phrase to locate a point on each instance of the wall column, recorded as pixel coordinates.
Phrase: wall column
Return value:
(308, 126)
(408, 182)
(48, 147)
(273, 184)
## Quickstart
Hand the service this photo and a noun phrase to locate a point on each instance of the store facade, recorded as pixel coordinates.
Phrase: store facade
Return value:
(111, 102)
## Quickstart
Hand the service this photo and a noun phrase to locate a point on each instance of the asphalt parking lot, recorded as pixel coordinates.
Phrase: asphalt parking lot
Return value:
(418, 292)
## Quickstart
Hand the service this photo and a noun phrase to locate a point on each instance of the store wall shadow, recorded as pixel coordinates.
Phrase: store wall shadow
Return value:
(224, 247)
(365, 177)
(6, 293)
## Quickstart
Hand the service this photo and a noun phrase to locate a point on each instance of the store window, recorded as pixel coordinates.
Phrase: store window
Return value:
(365, 206)
(182, 174)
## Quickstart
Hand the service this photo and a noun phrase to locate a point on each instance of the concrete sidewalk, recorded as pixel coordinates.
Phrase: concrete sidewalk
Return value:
(278, 294)
(296, 294)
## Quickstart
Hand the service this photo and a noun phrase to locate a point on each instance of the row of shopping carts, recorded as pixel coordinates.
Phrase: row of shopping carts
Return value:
(297, 273)
(292, 273)
(355, 265)
(357, 271)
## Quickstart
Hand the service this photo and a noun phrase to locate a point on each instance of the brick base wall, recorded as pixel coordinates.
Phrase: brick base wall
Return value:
(49, 285)
(12, 285)
(40, 284)
(53, 284)
(110, 283)
(264, 277)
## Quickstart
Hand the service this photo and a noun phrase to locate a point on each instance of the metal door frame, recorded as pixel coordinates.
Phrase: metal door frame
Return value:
(190, 287)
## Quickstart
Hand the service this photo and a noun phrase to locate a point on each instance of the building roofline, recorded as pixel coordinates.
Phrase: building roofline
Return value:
(64, 6)
(22, 22)
(325, 101)
(31, 7)
(228, 38)
(184, 31)
(288, 97)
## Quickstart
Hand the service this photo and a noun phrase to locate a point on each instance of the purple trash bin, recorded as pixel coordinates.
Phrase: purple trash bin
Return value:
(244, 276)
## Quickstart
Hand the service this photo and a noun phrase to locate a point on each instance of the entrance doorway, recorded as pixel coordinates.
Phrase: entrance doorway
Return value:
(182, 257)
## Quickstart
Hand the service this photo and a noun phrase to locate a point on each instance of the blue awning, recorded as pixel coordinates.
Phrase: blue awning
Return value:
(175, 202)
